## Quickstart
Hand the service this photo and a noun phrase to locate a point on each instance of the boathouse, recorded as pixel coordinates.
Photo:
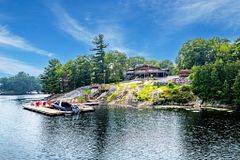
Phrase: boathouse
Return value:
(146, 71)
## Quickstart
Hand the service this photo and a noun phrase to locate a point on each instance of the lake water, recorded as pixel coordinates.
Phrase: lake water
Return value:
(116, 134)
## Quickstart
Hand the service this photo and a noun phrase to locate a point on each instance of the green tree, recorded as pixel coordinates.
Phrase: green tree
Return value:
(133, 62)
(115, 66)
(69, 75)
(83, 70)
(199, 52)
(51, 78)
(167, 64)
(214, 82)
(236, 89)
(155, 63)
(201, 82)
(225, 93)
(98, 59)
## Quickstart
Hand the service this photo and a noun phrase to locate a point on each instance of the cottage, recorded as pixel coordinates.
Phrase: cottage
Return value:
(145, 71)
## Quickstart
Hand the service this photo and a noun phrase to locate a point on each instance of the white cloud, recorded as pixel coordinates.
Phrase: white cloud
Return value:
(112, 32)
(9, 39)
(12, 66)
(70, 26)
(218, 11)
(179, 13)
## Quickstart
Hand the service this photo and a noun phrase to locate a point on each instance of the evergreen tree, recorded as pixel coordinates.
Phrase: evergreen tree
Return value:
(69, 75)
(51, 78)
(83, 71)
(98, 59)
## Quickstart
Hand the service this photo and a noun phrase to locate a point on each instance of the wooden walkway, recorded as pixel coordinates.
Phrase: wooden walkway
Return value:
(46, 111)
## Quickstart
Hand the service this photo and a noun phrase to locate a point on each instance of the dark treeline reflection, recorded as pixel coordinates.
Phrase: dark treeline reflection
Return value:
(210, 134)
(101, 132)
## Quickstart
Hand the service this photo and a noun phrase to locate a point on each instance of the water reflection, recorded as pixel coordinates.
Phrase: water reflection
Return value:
(101, 132)
(117, 134)
(211, 135)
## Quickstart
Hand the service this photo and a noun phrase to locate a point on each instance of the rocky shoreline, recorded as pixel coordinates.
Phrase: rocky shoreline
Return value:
(125, 95)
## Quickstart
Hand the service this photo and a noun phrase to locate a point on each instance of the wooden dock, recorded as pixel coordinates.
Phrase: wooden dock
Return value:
(46, 111)
(54, 112)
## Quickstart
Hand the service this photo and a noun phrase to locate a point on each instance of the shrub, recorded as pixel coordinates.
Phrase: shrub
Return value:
(81, 99)
(86, 91)
(185, 88)
(133, 85)
(170, 85)
(112, 97)
(145, 94)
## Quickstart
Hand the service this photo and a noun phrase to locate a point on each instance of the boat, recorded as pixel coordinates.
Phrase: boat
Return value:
(65, 106)
(57, 108)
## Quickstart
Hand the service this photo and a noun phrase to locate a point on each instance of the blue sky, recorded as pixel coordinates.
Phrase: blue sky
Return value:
(32, 32)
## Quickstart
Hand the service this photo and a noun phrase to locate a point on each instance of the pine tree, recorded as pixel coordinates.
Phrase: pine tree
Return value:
(99, 63)
(51, 77)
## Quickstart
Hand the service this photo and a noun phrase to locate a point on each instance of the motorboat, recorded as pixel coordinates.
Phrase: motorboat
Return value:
(65, 106)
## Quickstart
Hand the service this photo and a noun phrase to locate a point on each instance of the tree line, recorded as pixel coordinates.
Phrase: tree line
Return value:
(101, 66)
(21, 83)
(215, 67)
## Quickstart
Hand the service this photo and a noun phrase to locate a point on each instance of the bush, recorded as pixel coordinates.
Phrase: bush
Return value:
(133, 85)
(86, 91)
(112, 97)
(81, 99)
(145, 94)
(171, 85)
(186, 88)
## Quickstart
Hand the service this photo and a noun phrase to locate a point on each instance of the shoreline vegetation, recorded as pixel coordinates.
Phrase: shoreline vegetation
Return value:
(141, 94)
(213, 82)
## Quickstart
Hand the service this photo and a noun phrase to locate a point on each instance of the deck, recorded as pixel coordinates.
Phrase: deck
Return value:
(46, 111)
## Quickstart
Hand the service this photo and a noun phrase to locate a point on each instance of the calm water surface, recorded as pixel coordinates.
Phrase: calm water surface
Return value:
(116, 134)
